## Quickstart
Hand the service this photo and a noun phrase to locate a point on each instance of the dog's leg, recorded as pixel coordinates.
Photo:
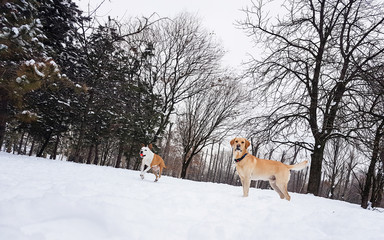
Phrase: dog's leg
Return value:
(242, 183)
(283, 187)
(142, 169)
(161, 170)
(272, 182)
(155, 172)
(246, 184)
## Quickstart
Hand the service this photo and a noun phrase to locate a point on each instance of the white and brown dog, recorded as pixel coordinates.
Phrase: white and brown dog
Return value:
(252, 168)
(152, 160)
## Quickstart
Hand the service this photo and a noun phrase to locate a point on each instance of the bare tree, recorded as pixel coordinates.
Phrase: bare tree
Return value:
(184, 57)
(314, 54)
(207, 117)
(370, 107)
(335, 164)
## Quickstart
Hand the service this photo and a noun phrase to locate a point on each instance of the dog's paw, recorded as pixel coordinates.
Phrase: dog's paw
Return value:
(156, 179)
(142, 176)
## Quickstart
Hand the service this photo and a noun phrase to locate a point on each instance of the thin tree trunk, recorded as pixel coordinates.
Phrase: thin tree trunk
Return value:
(89, 158)
(107, 148)
(4, 98)
(96, 159)
(128, 157)
(168, 143)
(20, 143)
(229, 167)
(53, 156)
(204, 164)
(119, 154)
(210, 163)
(32, 147)
(350, 167)
(371, 169)
(221, 168)
(26, 144)
(184, 167)
(45, 144)
(216, 163)
(200, 166)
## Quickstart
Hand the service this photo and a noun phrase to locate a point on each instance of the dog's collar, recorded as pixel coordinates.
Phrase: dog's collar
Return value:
(239, 159)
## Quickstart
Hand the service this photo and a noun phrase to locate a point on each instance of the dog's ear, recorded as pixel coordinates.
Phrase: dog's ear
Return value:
(232, 141)
(247, 143)
(142, 145)
(150, 146)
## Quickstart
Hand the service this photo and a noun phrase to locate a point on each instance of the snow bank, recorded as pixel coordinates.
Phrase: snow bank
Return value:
(51, 199)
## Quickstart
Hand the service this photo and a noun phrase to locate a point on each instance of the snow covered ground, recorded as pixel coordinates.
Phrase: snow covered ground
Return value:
(56, 200)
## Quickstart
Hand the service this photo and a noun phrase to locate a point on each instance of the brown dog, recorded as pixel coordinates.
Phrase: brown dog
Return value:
(252, 168)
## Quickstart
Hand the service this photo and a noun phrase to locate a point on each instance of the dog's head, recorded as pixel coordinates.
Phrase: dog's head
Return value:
(145, 150)
(239, 144)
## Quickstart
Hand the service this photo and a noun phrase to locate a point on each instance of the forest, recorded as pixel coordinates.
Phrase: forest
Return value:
(77, 88)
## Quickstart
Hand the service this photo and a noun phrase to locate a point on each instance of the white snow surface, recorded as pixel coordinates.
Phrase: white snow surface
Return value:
(58, 200)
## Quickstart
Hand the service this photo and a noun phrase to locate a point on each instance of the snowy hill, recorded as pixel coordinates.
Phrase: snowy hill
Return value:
(47, 199)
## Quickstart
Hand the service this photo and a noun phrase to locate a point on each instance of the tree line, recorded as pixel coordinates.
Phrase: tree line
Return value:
(93, 91)
(89, 91)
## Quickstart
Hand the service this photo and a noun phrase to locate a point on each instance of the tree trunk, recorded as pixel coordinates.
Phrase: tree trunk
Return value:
(128, 157)
(19, 151)
(32, 147)
(96, 159)
(53, 156)
(45, 144)
(380, 177)
(106, 150)
(187, 159)
(25, 144)
(315, 170)
(229, 167)
(203, 167)
(210, 163)
(168, 143)
(184, 168)
(75, 156)
(89, 154)
(221, 168)
(371, 169)
(120, 154)
(216, 163)
(350, 167)
(4, 98)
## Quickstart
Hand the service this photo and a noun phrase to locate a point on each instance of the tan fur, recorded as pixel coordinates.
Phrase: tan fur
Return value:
(157, 165)
(253, 168)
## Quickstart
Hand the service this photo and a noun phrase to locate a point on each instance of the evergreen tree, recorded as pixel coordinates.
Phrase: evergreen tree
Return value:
(21, 44)
(117, 103)
(54, 101)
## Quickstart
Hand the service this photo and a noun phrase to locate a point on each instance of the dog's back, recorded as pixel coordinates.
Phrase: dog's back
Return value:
(157, 160)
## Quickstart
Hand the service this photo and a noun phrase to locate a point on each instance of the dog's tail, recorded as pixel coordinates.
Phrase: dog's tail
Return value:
(163, 165)
(298, 166)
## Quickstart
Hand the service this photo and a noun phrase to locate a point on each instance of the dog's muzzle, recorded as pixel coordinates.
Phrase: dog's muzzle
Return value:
(142, 155)
(238, 148)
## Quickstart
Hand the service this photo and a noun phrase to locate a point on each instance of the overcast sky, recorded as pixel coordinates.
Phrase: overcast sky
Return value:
(218, 16)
